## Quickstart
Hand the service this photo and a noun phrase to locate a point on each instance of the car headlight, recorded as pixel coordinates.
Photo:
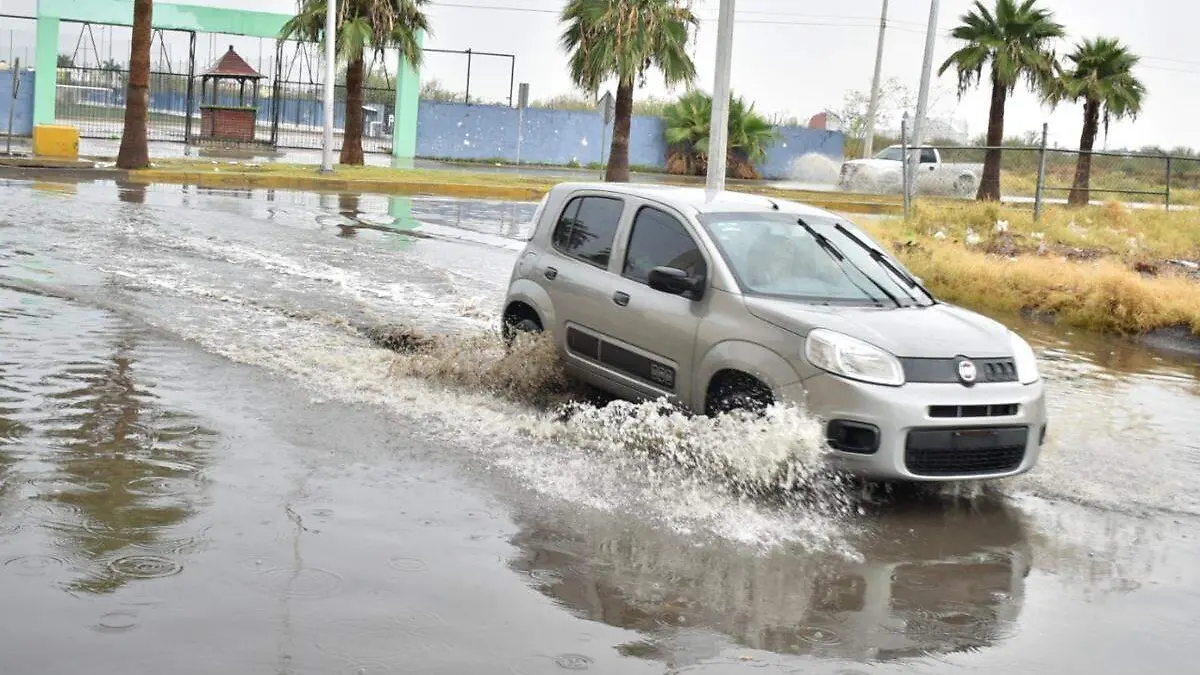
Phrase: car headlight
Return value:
(852, 358)
(1024, 358)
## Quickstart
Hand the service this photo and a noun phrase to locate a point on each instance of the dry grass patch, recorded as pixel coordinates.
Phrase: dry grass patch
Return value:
(1110, 230)
(1100, 295)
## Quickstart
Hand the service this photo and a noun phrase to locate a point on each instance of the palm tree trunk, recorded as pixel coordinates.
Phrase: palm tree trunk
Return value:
(1080, 192)
(989, 183)
(618, 156)
(133, 153)
(352, 152)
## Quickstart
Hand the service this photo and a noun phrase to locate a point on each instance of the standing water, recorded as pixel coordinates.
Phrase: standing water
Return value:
(281, 423)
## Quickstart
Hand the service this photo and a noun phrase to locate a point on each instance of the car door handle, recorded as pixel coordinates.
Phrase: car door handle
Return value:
(621, 298)
(550, 273)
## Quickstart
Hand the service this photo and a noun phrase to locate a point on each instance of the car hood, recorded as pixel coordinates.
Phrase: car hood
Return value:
(936, 331)
(876, 163)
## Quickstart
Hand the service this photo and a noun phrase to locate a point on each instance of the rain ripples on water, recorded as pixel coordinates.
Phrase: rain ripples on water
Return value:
(289, 417)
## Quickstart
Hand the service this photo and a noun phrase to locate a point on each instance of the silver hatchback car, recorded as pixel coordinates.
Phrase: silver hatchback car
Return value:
(740, 300)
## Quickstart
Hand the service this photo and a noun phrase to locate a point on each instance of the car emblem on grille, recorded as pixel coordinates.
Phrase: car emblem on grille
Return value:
(966, 371)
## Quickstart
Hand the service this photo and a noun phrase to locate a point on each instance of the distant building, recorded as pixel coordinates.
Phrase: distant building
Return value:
(825, 120)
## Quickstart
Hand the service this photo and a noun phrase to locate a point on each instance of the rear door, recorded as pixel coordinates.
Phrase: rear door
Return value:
(650, 338)
(575, 273)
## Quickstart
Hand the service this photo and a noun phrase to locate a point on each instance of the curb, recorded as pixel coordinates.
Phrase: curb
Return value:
(316, 184)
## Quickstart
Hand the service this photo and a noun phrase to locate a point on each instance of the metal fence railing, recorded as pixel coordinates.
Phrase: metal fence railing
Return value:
(93, 100)
(301, 116)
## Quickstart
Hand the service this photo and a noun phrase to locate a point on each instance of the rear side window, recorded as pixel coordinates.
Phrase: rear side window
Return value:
(660, 240)
(587, 227)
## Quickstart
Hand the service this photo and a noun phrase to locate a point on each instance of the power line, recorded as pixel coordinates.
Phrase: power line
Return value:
(795, 20)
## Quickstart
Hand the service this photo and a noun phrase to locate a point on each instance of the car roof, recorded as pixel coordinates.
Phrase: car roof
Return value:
(685, 197)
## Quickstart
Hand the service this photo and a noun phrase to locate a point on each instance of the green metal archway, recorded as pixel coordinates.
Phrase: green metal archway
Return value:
(171, 16)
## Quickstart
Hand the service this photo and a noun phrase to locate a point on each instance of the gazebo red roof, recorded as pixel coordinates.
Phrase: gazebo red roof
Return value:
(232, 65)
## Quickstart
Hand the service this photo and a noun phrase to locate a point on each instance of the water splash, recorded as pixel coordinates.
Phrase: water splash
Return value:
(814, 167)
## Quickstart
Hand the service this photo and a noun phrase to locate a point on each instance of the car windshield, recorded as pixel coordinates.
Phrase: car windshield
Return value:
(773, 254)
(895, 153)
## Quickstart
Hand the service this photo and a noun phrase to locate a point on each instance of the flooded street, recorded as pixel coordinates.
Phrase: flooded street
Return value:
(209, 463)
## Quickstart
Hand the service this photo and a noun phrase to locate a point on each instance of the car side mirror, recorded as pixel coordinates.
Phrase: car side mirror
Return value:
(675, 282)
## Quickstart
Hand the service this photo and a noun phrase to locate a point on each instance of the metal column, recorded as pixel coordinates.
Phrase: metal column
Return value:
(191, 89)
(468, 96)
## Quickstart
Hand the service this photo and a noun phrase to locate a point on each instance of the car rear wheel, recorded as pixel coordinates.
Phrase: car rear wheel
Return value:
(965, 186)
(520, 326)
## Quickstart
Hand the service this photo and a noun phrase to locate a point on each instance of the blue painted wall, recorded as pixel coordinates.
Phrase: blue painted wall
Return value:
(478, 132)
(22, 122)
(795, 142)
(458, 131)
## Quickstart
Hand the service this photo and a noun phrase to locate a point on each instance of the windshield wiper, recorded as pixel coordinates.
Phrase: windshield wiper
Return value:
(882, 259)
(830, 248)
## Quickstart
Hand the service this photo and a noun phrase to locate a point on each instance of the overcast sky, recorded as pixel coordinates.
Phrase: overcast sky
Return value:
(793, 57)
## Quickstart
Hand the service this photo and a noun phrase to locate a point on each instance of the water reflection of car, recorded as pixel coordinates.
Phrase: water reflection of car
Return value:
(742, 301)
(930, 583)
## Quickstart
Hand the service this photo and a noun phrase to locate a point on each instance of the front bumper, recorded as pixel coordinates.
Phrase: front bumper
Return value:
(931, 432)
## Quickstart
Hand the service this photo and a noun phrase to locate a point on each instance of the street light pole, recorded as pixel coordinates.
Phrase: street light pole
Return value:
(873, 108)
(330, 76)
(718, 132)
(923, 93)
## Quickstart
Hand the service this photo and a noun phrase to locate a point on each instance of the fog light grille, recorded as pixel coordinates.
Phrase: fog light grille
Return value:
(859, 438)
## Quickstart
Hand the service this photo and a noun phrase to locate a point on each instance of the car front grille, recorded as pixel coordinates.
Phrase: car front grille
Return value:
(945, 371)
(1001, 410)
(974, 451)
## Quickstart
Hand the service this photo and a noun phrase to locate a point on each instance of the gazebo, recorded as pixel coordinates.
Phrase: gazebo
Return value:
(228, 122)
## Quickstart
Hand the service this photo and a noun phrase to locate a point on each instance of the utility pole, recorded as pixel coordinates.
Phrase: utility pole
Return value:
(923, 94)
(330, 76)
(873, 108)
(718, 131)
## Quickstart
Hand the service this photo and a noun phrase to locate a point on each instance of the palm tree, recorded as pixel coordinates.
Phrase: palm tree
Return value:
(623, 39)
(1101, 74)
(688, 122)
(134, 153)
(1013, 41)
(362, 26)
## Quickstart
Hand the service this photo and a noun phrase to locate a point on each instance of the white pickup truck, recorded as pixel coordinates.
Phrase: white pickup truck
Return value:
(883, 172)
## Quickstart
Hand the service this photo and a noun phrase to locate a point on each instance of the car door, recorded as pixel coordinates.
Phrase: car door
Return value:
(651, 334)
(575, 274)
(928, 177)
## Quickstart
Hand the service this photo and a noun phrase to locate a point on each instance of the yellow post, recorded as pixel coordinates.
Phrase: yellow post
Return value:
(56, 141)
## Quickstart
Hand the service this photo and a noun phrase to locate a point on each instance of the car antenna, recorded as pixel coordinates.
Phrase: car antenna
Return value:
(772, 203)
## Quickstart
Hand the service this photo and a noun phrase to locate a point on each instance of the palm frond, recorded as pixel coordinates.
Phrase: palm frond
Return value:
(362, 26)
(1014, 41)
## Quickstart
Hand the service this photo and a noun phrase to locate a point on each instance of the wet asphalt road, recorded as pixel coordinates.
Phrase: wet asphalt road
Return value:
(204, 467)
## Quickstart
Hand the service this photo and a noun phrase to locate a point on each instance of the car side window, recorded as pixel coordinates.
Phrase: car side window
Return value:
(928, 156)
(587, 227)
(660, 240)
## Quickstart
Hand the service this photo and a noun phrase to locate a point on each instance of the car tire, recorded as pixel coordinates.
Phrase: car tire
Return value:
(965, 186)
(738, 394)
(512, 329)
